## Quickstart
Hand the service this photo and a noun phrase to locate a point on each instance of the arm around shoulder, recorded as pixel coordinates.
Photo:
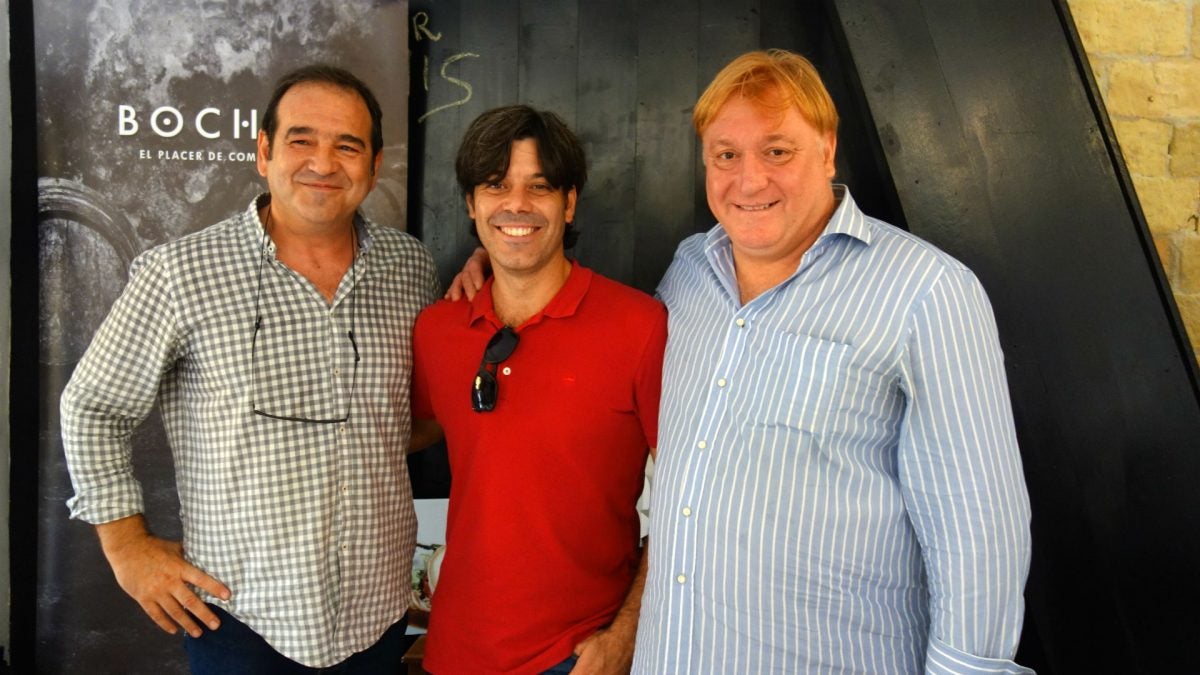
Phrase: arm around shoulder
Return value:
(474, 272)
(424, 434)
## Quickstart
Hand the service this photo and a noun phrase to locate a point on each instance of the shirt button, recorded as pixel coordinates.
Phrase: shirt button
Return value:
(702, 445)
(740, 322)
(507, 370)
(681, 579)
(721, 382)
(687, 511)
(342, 429)
(337, 371)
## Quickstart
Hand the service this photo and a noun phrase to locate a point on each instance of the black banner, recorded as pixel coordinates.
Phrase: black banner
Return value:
(147, 115)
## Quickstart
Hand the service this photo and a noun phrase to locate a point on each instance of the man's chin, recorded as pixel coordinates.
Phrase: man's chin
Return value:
(517, 264)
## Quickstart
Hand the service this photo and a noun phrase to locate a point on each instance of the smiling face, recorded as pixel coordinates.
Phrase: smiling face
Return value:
(319, 166)
(520, 217)
(767, 175)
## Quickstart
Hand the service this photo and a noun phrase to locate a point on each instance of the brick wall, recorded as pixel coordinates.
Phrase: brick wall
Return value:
(1146, 58)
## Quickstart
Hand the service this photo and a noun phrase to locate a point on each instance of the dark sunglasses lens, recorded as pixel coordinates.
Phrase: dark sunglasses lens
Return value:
(501, 345)
(483, 394)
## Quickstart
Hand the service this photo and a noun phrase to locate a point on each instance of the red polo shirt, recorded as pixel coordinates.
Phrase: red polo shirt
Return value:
(542, 531)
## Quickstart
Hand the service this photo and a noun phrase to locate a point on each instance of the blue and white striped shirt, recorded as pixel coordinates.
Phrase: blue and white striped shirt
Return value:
(838, 486)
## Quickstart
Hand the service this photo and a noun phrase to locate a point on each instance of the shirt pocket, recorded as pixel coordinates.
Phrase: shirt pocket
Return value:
(800, 379)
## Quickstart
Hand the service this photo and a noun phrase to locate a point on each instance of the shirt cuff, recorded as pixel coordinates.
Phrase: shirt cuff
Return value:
(643, 502)
(942, 659)
(120, 501)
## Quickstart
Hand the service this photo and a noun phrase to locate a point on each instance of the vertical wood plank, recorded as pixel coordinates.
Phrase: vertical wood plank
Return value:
(665, 159)
(727, 29)
(548, 58)
(437, 36)
(472, 66)
(607, 125)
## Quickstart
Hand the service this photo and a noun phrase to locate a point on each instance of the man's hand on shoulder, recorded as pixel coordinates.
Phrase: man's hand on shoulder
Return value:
(154, 572)
(604, 652)
(474, 272)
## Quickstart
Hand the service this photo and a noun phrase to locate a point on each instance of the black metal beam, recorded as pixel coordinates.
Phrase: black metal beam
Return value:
(1002, 155)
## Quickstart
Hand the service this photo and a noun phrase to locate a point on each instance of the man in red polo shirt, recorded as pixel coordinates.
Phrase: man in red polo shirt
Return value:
(547, 386)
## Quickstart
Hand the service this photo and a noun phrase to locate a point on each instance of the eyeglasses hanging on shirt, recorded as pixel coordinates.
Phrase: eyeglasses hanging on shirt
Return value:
(485, 388)
(258, 325)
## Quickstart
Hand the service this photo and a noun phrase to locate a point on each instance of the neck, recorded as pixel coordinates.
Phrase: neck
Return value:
(322, 257)
(516, 298)
(758, 274)
(755, 277)
(285, 231)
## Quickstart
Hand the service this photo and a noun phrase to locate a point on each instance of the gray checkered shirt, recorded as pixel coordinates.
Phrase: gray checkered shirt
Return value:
(310, 525)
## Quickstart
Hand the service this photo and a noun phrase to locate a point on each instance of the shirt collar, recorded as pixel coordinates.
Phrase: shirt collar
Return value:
(562, 305)
(253, 227)
(847, 220)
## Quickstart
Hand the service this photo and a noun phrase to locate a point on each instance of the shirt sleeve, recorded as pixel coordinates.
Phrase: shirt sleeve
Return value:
(962, 481)
(431, 288)
(643, 501)
(433, 285)
(648, 387)
(422, 406)
(112, 391)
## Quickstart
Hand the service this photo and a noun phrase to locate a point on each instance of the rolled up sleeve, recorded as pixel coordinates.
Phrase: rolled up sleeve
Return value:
(111, 392)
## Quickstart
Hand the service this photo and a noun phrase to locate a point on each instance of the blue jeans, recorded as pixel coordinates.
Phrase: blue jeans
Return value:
(562, 668)
(235, 649)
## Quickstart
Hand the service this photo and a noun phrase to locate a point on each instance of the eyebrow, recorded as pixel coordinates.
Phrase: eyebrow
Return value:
(772, 138)
(341, 138)
(493, 177)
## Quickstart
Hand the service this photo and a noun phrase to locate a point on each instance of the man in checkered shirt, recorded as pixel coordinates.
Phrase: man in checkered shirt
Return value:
(277, 345)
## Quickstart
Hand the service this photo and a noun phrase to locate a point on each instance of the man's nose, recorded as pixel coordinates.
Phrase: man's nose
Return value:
(322, 160)
(753, 174)
(518, 201)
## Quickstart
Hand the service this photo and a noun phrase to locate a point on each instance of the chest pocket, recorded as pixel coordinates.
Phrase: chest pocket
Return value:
(800, 379)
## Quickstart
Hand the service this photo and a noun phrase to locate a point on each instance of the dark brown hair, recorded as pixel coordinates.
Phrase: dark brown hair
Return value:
(324, 74)
(486, 149)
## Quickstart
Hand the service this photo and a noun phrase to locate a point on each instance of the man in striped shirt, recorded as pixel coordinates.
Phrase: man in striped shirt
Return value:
(838, 486)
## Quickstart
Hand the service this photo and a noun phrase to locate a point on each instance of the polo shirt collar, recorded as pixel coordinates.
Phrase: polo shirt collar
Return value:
(562, 305)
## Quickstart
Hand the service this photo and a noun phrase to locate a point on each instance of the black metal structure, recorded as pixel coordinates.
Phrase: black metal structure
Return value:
(1002, 154)
(23, 375)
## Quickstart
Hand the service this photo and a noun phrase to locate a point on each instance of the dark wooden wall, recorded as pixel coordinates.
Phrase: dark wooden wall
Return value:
(624, 76)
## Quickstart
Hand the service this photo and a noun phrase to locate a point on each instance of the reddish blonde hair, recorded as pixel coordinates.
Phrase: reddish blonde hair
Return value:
(773, 80)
